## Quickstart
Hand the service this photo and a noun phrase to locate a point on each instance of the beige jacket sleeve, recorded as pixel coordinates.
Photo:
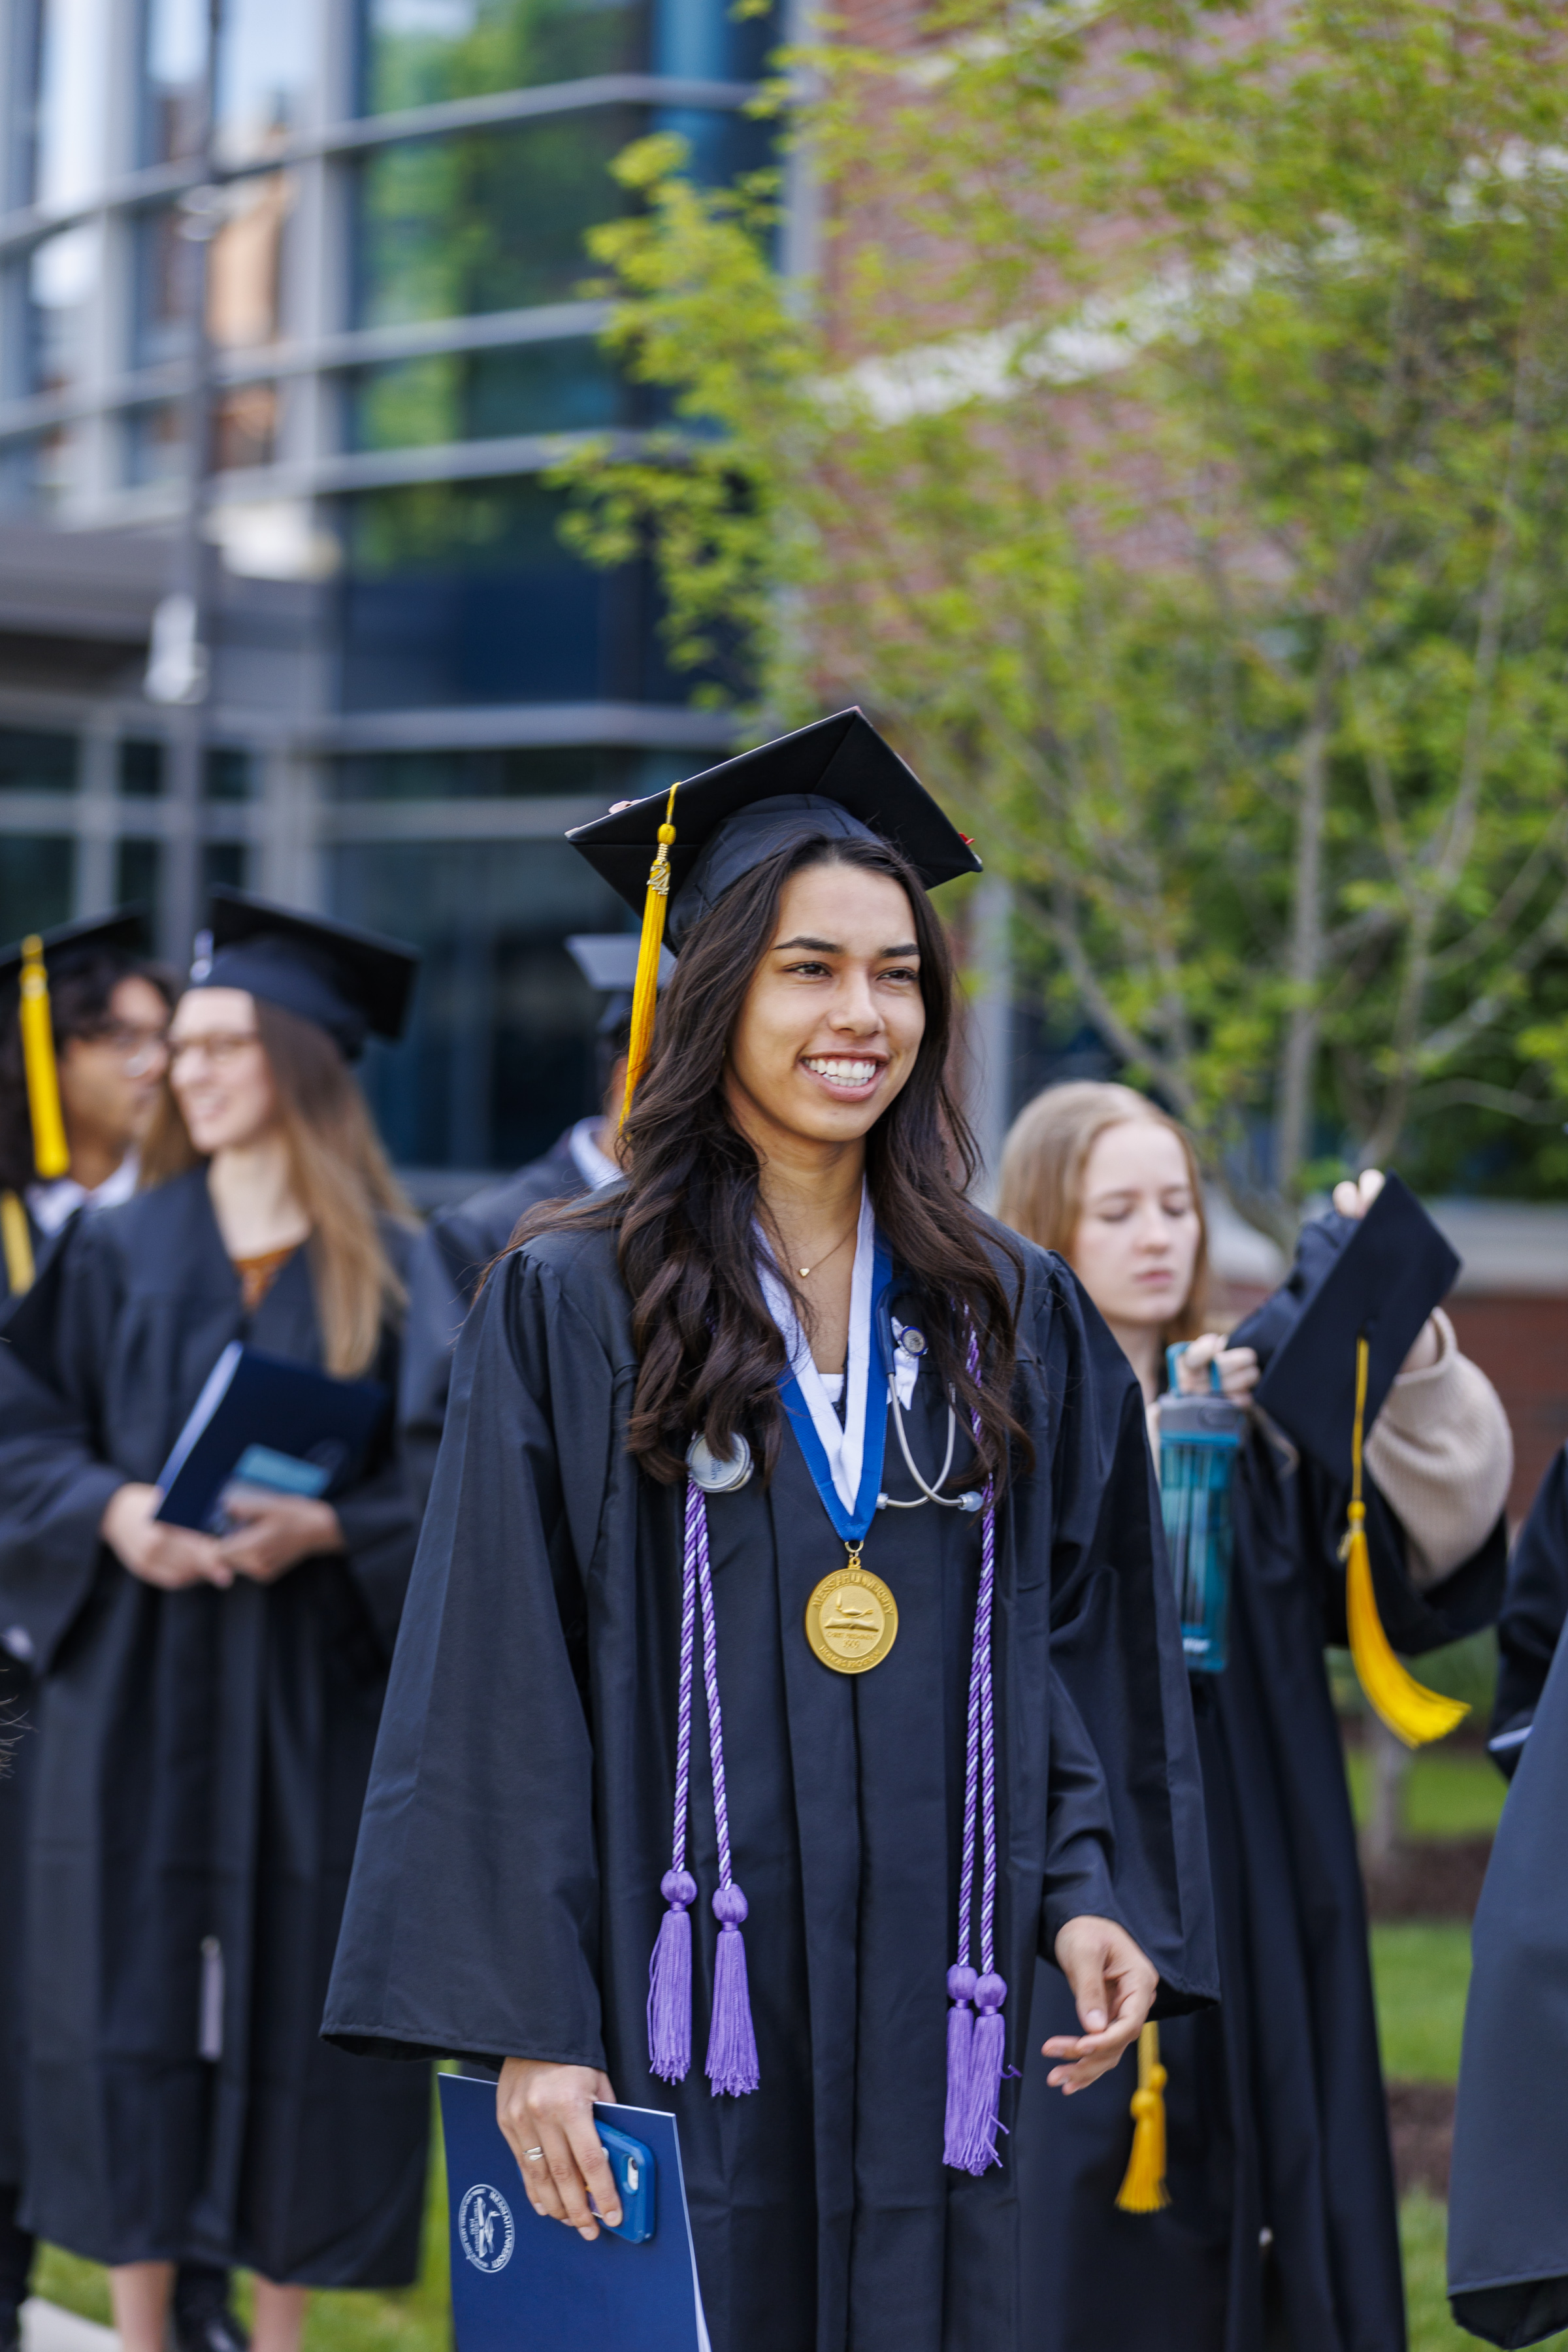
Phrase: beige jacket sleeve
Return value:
(1441, 1453)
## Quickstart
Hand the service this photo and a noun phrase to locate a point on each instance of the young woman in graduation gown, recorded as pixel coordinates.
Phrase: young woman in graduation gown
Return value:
(209, 1704)
(792, 1157)
(1281, 2229)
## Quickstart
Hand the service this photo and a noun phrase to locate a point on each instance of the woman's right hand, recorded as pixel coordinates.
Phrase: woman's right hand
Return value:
(546, 2116)
(1238, 1367)
(169, 1556)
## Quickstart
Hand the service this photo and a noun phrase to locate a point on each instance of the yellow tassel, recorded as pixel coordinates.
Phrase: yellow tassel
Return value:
(51, 1153)
(1412, 1712)
(645, 989)
(1143, 2188)
(18, 1243)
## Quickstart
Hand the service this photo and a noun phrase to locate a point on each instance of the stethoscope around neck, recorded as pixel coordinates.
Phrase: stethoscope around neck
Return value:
(727, 1474)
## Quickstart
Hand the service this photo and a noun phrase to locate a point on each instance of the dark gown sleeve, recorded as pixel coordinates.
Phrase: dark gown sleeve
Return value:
(498, 1955)
(54, 1482)
(1531, 1620)
(1127, 1839)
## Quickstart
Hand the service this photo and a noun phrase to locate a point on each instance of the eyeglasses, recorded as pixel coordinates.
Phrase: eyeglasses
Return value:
(223, 1046)
(140, 1049)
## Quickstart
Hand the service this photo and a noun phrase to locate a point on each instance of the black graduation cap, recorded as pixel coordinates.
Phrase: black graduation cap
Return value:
(1379, 1276)
(123, 934)
(350, 982)
(836, 777)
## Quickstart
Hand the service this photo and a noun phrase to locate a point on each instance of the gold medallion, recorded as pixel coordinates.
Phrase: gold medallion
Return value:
(852, 1619)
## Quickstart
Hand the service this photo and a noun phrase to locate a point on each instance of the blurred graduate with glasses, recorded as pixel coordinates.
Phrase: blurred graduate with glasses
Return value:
(790, 1659)
(209, 1697)
(83, 1016)
(1244, 2198)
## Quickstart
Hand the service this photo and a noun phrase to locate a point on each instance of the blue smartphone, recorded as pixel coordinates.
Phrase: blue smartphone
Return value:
(633, 2167)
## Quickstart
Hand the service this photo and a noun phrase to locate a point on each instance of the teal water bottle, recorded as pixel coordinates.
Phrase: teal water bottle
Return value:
(1200, 1437)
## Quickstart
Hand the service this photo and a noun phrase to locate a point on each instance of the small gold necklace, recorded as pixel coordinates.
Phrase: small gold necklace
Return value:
(805, 1272)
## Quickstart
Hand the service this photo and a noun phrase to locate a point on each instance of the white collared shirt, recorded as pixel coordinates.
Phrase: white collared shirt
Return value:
(52, 1205)
(593, 1165)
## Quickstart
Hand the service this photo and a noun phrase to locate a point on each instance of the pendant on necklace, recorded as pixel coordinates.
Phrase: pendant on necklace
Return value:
(851, 1618)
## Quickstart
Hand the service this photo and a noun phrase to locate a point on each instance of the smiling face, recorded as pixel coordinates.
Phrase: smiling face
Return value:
(1137, 1241)
(832, 1020)
(218, 1070)
(110, 1082)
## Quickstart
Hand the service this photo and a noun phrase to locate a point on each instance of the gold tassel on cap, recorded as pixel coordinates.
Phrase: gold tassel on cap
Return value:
(1143, 2188)
(51, 1153)
(645, 989)
(1412, 1712)
(18, 1243)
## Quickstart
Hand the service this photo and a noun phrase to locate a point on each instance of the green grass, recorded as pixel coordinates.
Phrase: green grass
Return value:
(1451, 1792)
(1432, 2329)
(1421, 1968)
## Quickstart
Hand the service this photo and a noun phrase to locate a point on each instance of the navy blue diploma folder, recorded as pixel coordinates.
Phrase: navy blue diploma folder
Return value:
(269, 1420)
(519, 2282)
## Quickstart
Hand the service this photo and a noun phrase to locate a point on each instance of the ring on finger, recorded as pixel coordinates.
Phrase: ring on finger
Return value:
(533, 2155)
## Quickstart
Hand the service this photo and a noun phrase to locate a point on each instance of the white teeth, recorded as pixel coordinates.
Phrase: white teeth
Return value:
(846, 1074)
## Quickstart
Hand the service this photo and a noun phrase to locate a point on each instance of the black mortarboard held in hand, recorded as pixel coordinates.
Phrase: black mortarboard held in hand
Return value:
(1332, 1342)
(836, 777)
(352, 983)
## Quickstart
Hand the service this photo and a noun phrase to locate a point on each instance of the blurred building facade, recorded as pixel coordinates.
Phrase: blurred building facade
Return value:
(412, 687)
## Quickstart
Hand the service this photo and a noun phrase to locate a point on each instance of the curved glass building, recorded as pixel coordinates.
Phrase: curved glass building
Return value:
(291, 322)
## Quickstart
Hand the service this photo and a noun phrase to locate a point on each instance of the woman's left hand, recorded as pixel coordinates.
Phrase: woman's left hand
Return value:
(273, 1533)
(1113, 1983)
(1238, 1367)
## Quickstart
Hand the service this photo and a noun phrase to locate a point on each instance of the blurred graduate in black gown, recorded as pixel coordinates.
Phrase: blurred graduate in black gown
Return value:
(1282, 2227)
(208, 1704)
(459, 1243)
(1507, 2245)
(87, 1088)
(791, 1261)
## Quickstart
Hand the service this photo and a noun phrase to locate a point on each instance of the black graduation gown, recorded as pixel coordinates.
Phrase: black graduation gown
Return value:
(1275, 2104)
(202, 1759)
(449, 1259)
(1531, 1620)
(1508, 2243)
(505, 1896)
(17, 1750)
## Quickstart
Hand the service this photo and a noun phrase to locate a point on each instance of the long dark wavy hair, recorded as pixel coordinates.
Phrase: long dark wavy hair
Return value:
(710, 1354)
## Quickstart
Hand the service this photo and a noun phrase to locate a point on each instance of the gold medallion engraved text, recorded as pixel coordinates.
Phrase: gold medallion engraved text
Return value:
(851, 1621)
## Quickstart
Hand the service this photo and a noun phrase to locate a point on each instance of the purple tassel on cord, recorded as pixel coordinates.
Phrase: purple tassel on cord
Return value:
(669, 1982)
(731, 2043)
(976, 2048)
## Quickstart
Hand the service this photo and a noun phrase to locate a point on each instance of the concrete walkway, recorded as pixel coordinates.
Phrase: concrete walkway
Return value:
(47, 2328)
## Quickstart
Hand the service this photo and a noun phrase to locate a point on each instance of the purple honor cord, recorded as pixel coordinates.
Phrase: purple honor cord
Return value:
(732, 2064)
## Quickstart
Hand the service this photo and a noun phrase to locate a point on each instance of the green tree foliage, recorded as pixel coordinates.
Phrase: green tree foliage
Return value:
(1168, 441)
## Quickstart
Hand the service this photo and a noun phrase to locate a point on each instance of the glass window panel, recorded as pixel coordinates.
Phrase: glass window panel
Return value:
(478, 395)
(419, 51)
(141, 771)
(62, 288)
(223, 865)
(175, 68)
(139, 875)
(595, 771)
(244, 427)
(155, 443)
(265, 69)
(164, 274)
(32, 761)
(230, 775)
(462, 592)
(245, 273)
(73, 95)
(708, 40)
(38, 881)
(490, 220)
(499, 1054)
